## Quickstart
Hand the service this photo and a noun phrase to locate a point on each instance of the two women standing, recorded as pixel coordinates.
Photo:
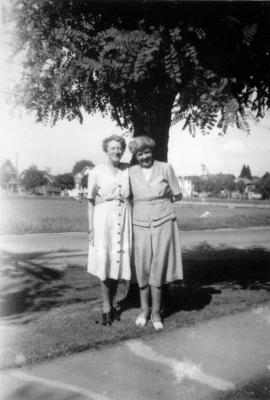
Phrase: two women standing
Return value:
(156, 248)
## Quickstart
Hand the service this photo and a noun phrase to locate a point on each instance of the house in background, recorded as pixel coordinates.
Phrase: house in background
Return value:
(186, 186)
(249, 188)
(49, 188)
(8, 177)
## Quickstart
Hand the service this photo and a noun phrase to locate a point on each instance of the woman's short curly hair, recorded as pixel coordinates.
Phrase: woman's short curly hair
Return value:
(117, 138)
(140, 143)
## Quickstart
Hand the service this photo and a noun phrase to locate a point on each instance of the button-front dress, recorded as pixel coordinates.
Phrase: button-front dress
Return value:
(157, 252)
(109, 258)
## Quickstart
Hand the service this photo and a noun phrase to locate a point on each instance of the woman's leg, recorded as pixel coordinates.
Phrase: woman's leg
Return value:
(114, 306)
(144, 297)
(113, 290)
(106, 295)
(156, 293)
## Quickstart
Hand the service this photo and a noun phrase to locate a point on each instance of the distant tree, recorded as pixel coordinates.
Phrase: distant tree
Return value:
(223, 182)
(240, 186)
(79, 166)
(245, 172)
(214, 183)
(230, 182)
(264, 186)
(33, 178)
(248, 172)
(197, 183)
(65, 181)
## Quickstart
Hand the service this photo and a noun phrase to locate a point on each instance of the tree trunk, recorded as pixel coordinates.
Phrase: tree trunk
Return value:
(155, 122)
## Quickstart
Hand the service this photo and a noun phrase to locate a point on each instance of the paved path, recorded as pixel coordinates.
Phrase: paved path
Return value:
(194, 363)
(62, 249)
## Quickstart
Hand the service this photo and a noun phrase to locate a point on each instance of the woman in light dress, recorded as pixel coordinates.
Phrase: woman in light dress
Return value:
(110, 228)
(157, 252)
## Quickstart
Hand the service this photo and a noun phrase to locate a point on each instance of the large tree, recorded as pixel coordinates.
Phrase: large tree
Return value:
(146, 64)
(33, 178)
(264, 186)
(65, 181)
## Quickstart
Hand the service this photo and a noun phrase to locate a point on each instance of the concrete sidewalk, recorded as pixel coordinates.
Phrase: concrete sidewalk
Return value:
(58, 250)
(199, 362)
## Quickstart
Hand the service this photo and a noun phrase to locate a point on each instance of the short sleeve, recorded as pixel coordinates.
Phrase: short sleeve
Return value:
(173, 183)
(92, 184)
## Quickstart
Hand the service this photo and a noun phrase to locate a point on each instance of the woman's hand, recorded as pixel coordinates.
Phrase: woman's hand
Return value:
(178, 197)
(91, 237)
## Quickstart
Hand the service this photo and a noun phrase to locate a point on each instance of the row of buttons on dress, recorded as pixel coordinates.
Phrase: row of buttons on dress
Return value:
(119, 223)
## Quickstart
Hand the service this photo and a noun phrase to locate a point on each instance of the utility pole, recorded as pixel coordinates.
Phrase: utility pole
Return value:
(16, 163)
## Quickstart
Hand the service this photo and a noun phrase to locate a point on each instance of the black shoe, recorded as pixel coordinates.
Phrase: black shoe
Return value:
(107, 318)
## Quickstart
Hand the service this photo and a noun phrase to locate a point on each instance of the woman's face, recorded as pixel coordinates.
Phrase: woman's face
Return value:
(114, 151)
(145, 158)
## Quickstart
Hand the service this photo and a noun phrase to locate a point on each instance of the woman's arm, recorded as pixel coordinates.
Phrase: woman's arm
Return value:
(91, 194)
(174, 185)
(91, 206)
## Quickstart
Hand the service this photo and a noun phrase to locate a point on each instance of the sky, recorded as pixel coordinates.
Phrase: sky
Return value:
(61, 146)
(24, 142)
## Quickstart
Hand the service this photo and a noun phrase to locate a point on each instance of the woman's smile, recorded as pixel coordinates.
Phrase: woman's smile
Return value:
(145, 158)
(114, 151)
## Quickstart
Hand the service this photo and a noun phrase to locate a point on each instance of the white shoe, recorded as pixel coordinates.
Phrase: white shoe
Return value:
(158, 325)
(141, 321)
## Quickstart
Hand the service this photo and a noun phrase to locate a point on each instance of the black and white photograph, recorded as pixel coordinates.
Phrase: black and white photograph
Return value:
(135, 200)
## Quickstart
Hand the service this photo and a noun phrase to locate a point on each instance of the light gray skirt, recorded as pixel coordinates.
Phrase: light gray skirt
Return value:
(157, 253)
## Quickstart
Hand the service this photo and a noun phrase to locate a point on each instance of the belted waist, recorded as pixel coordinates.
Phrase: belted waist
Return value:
(156, 200)
(100, 200)
(154, 222)
(155, 212)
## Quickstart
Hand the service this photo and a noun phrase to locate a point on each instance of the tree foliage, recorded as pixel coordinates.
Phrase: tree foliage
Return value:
(264, 186)
(33, 178)
(146, 64)
(245, 172)
(214, 183)
(240, 186)
(80, 165)
(65, 181)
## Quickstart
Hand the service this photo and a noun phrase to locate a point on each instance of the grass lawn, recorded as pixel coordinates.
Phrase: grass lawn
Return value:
(40, 215)
(47, 313)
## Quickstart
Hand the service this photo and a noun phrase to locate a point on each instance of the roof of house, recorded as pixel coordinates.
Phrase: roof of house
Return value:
(245, 180)
(49, 177)
(8, 167)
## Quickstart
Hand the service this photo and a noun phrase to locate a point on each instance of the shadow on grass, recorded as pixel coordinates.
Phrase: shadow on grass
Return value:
(228, 267)
(27, 286)
(208, 271)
